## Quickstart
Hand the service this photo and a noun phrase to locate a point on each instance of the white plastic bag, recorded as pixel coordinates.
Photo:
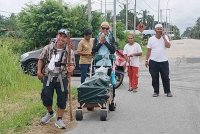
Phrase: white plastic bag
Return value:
(101, 70)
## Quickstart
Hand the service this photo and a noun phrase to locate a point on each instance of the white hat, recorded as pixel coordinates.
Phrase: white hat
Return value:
(158, 25)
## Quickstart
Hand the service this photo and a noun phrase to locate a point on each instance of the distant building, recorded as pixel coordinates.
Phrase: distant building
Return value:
(145, 32)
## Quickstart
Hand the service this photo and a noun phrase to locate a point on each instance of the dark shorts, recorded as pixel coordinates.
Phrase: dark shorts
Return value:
(48, 92)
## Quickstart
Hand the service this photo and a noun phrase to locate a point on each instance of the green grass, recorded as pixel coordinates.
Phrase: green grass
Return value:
(20, 100)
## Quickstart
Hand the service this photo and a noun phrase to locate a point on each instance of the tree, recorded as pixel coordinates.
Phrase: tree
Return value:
(193, 32)
(176, 32)
(146, 19)
(39, 23)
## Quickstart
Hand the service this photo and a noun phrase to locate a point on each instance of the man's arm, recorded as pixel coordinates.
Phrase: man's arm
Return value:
(166, 40)
(41, 62)
(148, 53)
(39, 71)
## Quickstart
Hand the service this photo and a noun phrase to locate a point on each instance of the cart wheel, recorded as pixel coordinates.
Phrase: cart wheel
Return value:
(90, 108)
(112, 106)
(79, 114)
(103, 114)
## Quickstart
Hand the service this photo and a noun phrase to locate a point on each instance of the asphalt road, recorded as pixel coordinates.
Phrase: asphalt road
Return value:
(140, 113)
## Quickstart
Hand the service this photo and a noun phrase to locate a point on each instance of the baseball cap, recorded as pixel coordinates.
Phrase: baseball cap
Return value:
(63, 31)
(87, 32)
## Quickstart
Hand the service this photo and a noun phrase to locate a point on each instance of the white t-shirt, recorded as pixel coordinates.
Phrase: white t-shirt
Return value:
(55, 58)
(131, 49)
(158, 49)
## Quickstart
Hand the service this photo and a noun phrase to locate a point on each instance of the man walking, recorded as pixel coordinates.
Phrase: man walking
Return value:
(53, 70)
(156, 59)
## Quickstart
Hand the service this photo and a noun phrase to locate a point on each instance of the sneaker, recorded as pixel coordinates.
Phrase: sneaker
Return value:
(169, 94)
(47, 118)
(155, 95)
(60, 124)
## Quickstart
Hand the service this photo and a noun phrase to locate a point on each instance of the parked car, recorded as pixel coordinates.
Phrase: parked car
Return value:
(29, 60)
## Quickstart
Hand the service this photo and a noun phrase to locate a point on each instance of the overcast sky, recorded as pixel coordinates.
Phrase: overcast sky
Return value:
(183, 13)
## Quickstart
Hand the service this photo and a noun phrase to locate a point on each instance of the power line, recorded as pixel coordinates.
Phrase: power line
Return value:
(150, 6)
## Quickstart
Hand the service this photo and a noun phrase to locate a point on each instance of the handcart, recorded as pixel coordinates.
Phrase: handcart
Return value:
(97, 91)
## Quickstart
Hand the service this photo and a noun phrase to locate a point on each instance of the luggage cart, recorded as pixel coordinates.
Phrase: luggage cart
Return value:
(97, 92)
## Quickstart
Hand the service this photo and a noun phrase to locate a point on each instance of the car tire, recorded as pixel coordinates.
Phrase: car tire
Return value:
(32, 68)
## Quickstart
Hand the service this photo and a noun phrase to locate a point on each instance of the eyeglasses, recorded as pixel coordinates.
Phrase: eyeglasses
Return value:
(103, 28)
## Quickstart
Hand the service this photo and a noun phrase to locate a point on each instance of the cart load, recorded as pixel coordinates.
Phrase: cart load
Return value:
(96, 89)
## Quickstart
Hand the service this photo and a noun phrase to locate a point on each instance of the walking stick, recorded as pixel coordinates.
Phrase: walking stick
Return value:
(69, 82)
(129, 60)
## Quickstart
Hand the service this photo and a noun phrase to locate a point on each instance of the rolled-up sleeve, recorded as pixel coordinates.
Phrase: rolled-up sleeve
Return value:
(43, 53)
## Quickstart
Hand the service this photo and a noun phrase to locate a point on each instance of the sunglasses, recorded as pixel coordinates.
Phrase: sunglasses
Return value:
(103, 28)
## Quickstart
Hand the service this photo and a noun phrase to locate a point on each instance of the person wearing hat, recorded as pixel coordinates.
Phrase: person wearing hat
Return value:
(157, 61)
(104, 44)
(85, 51)
(52, 71)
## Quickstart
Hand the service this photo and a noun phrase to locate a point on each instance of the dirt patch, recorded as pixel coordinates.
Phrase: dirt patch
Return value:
(37, 128)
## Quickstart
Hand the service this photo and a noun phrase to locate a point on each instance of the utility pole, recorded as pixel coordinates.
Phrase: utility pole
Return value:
(101, 7)
(89, 12)
(105, 11)
(158, 10)
(126, 15)
(114, 20)
(161, 16)
(135, 17)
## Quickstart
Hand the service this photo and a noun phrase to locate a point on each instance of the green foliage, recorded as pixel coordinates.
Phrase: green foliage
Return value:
(14, 44)
(193, 32)
(176, 32)
(96, 22)
(120, 30)
(39, 23)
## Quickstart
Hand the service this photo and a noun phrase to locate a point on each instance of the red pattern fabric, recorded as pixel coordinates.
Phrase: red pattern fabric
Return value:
(133, 77)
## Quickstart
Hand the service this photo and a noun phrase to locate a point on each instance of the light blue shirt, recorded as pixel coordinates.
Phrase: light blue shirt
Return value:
(103, 50)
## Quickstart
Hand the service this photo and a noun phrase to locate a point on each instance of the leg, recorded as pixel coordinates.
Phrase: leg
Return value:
(61, 97)
(61, 103)
(84, 70)
(154, 71)
(47, 94)
(164, 71)
(135, 77)
(47, 99)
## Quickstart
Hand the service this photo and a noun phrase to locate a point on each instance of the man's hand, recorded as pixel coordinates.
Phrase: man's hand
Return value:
(40, 75)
